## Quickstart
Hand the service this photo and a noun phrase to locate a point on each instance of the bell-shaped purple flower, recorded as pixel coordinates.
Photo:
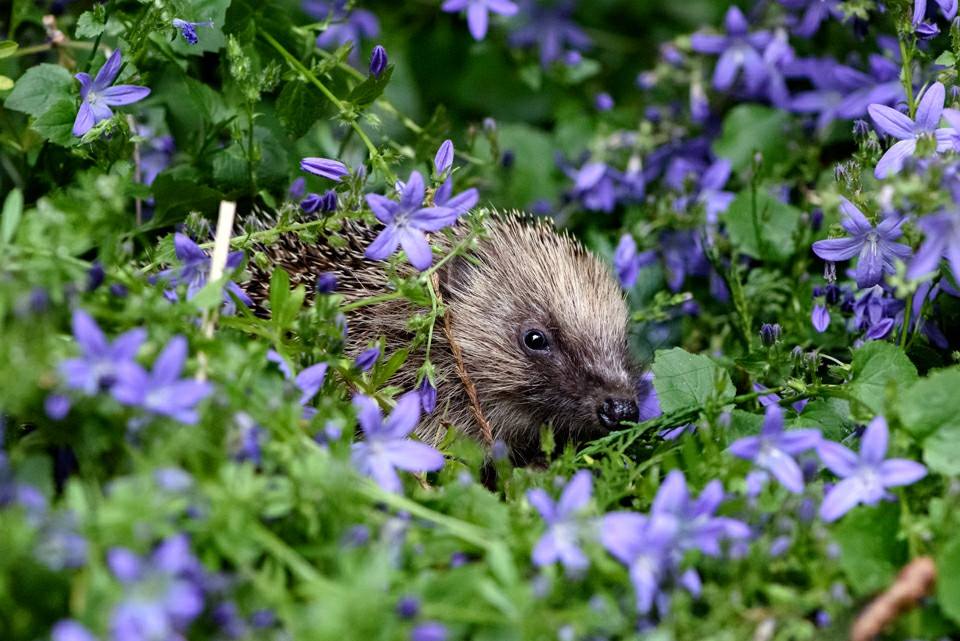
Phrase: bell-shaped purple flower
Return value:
(385, 447)
(876, 246)
(195, 271)
(378, 61)
(941, 240)
(102, 364)
(325, 168)
(773, 449)
(98, 95)
(908, 131)
(561, 540)
(866, 476)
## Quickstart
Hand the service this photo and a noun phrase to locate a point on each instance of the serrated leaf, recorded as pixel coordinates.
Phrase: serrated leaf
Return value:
(761, 226)
(40, 88)
(90, 25)
(299, 106)
(370, 89)
(685, 380)
(56, 123)
(12, 213)
(876, 367)
(871, 551)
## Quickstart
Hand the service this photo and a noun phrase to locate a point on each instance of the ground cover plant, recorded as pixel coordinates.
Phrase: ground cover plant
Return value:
(775, 184)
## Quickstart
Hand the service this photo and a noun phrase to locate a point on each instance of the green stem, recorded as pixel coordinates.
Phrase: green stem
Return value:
(907, 319)
(375, 157)
(906, 74)
(96, 43)
(371, 300)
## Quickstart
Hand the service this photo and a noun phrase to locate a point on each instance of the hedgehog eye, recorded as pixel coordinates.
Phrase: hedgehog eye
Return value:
(536, 340)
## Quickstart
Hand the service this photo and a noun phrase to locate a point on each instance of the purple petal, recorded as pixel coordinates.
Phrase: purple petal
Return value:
(414, 456)
(503, 7)
(891, 122)
(433, 218)
(368, 415)
(838, 459)
(454, 5)
(841, 498)
(644, 578)
(853, 219)
(870, 266)
(88, 334)
(310, 380)
(69, 630)
(417, 248)
(717, 175)
(892, 161)
(919, 11)
(620, 534)
(820, 317)
(413, 192)
(900, 471)
(837, 249)
(477, 20)
(124, 95)
(86, 83)
(797, 441)
(169, 364)
(576, 494)
(589, 175)
(874, 442)
(931, 107)
(927, 258)
(376, 467)
(405, 416)
(542, 502)
(126, 345)
(672, 496)
(786, 470)
(463, 202)
(772, 421)
(383, 208)
(545, 552)
(708, 43)
(727, 67)
(187, 250)
(325, 167)
(952, 116)
(384, 244)
(735, 22)
(108, 72)
(84, 121)
(124, 565)
(747, 447)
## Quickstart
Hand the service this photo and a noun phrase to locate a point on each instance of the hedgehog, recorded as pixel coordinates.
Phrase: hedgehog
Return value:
(534, 331)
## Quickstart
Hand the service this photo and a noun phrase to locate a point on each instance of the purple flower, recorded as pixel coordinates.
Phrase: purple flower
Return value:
(603, 101)
(406, 221)
(649, 404)
(814, 12)
(627, 262)
(737, 50)
(595, 186)
(941, 240)
(56, 406)
(102, 364)
(326, 283)
(196, 271)
(875, 312)
(948, 8)
(162, 391)
(876, 246)
(643, 544)
(429, 631)
(344, 27)
(552, 30)
(162, 593)
(696, 526)
(70, 630)
(189, 29)
(908, 132)
(367, 358)
(774, 399)
(98, 95)
(461, 203)
(865, 477)
(444, 158)
(325, 168)
(560, 541)
(710, 191)
(408, 607)
(385, 446)
(773, 449)
(378, 61)
(309, 381)
(770, 334)
(478, 13)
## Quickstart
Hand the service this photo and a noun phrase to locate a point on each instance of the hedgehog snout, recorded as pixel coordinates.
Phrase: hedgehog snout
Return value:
(613, 412)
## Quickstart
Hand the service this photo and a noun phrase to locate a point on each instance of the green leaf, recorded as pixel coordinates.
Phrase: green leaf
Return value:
(948, 579)
(299, 106)
(871, 551)
(90, 24)
(946, 59)
(931, 403)
(685, 380)
(370, 89)
(181, 196)
(211, 295)
(40, 88)
(749, 129)
(761, 226)
(7, 48)
(56, 123)
(879, 369)
(941, 450)
(12, 213)
(531, 178)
